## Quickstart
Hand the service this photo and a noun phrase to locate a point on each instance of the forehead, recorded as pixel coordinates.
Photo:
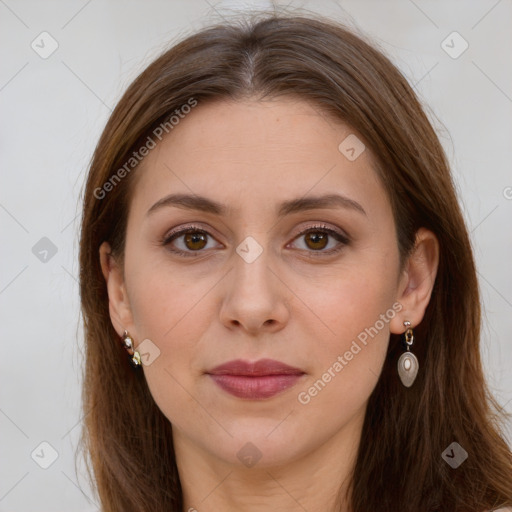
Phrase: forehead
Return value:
(281, 128)
(257, 152)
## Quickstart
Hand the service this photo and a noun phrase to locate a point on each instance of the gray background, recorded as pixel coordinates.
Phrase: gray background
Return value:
(53, 110)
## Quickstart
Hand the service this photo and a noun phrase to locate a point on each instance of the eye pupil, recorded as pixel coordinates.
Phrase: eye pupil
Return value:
(317, 238)
(195, 238)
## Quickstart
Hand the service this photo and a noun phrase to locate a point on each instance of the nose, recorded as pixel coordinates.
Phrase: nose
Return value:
(255, 297)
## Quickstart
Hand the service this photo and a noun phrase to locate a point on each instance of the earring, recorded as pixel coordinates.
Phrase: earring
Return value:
(408, 363)
(134, 354)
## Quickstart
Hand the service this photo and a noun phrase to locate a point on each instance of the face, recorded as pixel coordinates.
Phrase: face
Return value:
(253, 264)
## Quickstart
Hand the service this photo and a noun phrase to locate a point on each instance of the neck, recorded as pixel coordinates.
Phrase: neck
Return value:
(314, 480)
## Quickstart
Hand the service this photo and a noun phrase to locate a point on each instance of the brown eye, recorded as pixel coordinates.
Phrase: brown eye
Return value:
(195, 240)
(316, 240)
(189, 241)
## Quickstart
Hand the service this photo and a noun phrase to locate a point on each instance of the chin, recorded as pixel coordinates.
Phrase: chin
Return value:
(263, 444)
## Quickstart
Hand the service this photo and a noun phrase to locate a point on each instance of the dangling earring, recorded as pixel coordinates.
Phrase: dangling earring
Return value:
(134, 354)
(408, 363)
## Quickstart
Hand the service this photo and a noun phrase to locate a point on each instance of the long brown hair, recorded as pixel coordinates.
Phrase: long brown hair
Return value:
(406, 430)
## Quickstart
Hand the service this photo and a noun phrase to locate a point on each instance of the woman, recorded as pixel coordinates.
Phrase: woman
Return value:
(280, 300)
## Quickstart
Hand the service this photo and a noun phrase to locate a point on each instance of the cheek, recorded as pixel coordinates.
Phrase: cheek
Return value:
(347, 364)
(352, 301)
(172, 314)
(162, 299)
(355, 311)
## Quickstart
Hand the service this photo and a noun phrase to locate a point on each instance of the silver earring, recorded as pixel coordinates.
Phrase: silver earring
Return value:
(134, 354)
(408, 363)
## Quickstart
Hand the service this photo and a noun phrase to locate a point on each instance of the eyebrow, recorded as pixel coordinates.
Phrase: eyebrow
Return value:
(204, 204)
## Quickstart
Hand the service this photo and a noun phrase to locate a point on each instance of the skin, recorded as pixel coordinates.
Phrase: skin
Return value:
(204, 310)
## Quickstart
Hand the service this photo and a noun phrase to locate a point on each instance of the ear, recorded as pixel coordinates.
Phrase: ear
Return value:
(417, 281)
(118, 303)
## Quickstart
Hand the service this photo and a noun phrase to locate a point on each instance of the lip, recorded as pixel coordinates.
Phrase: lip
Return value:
(255, 380)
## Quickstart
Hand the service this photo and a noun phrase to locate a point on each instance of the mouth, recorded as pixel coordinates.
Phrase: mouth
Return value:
(255, 381)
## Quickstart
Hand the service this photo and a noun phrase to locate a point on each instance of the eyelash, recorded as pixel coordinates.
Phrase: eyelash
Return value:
(340, 237)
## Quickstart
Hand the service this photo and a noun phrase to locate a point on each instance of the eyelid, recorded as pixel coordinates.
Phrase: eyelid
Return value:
(325, 227)
(183, 229)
